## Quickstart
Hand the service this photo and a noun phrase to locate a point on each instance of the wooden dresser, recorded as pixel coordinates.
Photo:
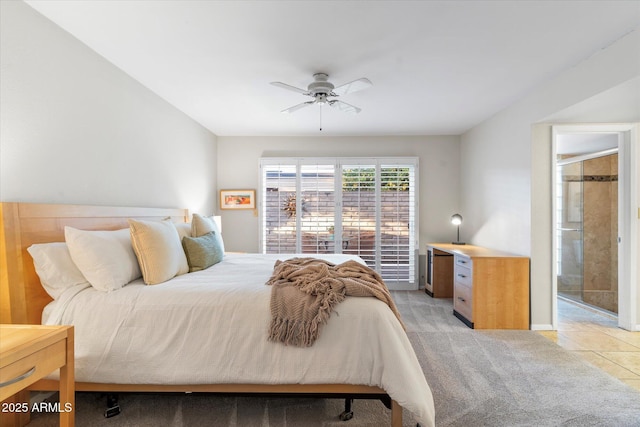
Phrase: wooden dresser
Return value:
(490, 288)
(27, 354)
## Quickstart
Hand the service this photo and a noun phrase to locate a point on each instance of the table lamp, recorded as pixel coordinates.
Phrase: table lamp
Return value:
(456, 219)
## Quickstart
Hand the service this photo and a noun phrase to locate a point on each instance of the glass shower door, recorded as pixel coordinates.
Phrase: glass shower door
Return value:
(570, 231)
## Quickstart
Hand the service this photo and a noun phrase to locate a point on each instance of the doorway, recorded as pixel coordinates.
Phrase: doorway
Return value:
(587, 220)
(594, 186)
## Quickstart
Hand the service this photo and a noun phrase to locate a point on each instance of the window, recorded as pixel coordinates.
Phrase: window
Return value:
(365, 207)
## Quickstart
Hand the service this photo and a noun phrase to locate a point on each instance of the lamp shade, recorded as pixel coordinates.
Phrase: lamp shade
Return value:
(456, 219)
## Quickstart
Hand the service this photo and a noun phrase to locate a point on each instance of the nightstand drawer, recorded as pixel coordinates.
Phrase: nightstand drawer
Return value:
(24, 372)
(462, 301)
(463, 276)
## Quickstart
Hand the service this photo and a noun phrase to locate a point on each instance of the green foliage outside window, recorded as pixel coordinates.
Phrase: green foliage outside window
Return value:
(362, 179)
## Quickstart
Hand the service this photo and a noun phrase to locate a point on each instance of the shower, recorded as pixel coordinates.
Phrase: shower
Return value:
(587, 222)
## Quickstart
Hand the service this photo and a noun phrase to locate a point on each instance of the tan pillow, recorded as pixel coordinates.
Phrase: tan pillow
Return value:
(159, 251)
(201, 225)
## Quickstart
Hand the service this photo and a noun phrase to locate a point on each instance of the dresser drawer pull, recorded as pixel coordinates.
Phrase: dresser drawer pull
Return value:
(461, 261)
(461, 275)
(19, 377)
(462, 299)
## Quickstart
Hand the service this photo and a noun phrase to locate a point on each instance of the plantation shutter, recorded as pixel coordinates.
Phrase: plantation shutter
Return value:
(365, 207)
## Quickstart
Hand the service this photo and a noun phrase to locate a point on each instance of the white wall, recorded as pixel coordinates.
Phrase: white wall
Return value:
(620, 104)
(76, 129)
(506, 176)
(238, 160)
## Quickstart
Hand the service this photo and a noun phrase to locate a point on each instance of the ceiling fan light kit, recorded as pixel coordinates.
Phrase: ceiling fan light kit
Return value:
(321, 89)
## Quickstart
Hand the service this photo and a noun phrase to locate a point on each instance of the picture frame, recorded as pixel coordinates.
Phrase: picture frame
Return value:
(237, 199)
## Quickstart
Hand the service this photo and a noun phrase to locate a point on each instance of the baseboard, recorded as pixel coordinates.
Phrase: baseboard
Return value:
(463, 319)
(631, 328)
(547, 327)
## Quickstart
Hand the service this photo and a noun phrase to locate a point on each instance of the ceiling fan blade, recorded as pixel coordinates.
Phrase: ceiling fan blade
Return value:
(289, 87)
(353, 86)
(343, 106)
(297, 107)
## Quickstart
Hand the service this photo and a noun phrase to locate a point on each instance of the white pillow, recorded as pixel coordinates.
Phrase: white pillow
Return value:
(201, 225)
(184, 229)
(159, 250)
(105, 258)
(55, 268)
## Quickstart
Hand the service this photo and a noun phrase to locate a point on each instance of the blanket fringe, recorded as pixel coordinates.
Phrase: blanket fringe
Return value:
(292, 332)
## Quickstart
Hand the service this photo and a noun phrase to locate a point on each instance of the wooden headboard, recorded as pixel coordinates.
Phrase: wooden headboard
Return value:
(22, 297)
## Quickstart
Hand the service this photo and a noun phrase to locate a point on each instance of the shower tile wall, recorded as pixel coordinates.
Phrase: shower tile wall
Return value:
(600, 231)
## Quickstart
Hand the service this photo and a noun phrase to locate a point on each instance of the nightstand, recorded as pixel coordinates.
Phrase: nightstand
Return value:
(28, 353)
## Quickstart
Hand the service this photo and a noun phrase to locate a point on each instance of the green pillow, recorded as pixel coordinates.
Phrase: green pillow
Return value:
(202, 252)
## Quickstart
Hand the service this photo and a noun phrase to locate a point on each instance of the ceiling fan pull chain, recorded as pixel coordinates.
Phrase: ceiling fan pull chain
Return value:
(320, 118)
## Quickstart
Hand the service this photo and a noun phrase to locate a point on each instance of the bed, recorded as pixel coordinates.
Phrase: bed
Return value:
(374, 360)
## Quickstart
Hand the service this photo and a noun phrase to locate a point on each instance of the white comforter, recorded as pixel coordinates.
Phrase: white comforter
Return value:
(210, 327)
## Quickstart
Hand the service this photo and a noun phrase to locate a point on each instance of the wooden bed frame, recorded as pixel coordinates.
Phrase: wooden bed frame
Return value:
(22, 297)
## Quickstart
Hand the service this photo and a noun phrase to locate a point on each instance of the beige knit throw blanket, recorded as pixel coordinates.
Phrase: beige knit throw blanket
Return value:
(306, 290)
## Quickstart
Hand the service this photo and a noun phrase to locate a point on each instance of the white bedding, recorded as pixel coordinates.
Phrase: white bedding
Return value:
(210, 327)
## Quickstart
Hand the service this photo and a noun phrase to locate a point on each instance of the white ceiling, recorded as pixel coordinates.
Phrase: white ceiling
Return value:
(437, 67)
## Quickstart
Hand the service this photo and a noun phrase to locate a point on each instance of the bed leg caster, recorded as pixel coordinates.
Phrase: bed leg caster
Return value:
(348, 413)
(113, 408)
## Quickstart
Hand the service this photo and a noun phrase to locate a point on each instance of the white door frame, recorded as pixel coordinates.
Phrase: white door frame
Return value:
(627, 223)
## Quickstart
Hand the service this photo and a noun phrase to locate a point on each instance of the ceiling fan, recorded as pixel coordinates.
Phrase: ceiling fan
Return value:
(322, 89)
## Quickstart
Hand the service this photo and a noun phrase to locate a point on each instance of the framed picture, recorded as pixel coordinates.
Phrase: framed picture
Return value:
(237, 199)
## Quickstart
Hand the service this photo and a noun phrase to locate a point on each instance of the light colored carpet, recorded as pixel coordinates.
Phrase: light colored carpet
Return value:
(478, 378)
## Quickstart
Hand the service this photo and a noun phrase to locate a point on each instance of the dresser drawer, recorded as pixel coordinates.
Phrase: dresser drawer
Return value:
(33, 367)
(463, 275)
(463, 261)
(462, 301)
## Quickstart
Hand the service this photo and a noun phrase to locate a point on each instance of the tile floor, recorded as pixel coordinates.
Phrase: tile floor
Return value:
(597, 338)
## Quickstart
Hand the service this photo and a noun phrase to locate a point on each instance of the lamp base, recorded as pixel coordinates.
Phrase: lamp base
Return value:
(458, 243)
